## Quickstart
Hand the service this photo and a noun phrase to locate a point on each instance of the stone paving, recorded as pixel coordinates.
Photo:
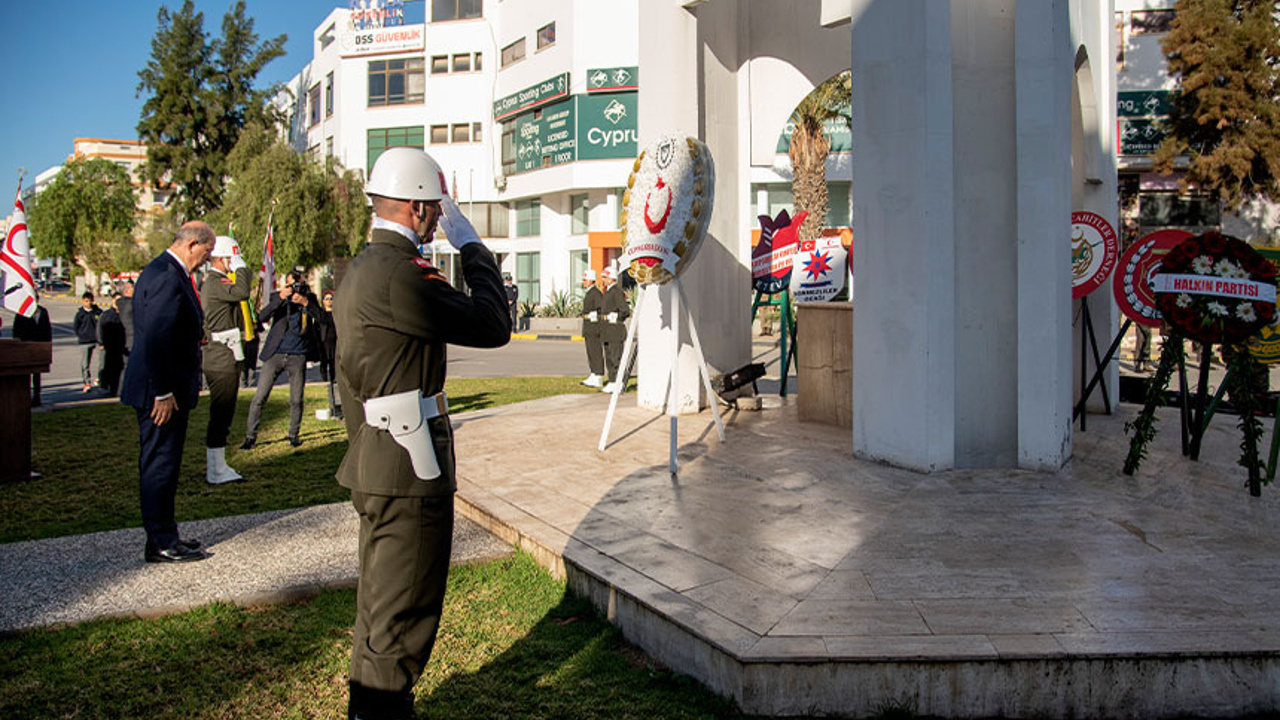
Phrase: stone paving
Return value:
(781, 571)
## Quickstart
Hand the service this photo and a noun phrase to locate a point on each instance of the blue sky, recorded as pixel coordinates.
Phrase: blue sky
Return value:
(70, 69)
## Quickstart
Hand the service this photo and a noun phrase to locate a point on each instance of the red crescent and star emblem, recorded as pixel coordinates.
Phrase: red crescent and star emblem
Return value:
(656, 227)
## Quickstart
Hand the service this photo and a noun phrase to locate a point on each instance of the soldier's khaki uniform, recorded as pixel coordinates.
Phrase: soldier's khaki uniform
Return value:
(394, 313)
(593, 299)
(613, 334)
(220, 298)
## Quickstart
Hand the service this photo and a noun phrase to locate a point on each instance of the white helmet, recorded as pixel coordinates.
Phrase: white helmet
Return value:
(610, 274)
(225, 246)
(589, 275)
(405, 173)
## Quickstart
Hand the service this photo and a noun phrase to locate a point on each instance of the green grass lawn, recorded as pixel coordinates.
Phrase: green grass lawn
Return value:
(512, 644)
(88, 457)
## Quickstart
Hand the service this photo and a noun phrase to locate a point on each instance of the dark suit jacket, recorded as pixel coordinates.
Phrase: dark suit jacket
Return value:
(167, 327)
(278, 312)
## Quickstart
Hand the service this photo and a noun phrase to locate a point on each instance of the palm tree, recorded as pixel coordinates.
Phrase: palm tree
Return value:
(810, 147)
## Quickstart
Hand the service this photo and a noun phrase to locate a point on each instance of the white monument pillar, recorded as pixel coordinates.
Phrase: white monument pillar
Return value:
(904, 380)
(962, 202)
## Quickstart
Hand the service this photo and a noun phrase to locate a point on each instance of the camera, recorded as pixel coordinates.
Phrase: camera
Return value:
(299, 288)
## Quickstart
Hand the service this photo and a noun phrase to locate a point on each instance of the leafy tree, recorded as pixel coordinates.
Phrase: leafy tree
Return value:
(86, 215)
(201, 96)
(1226, 110)
(319, 209)
(810, 147)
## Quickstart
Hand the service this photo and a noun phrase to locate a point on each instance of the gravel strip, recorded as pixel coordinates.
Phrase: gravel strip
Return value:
(259, 558)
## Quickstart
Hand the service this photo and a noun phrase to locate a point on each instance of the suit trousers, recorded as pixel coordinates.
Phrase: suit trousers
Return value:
(223, 378)
(296, 366)
(595, 351)
(612, 337)
(159, 463)
(404, 550)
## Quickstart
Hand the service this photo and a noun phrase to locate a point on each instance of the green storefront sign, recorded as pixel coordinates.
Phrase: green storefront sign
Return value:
(837, 130)
(613, 79)
(546, 140)
(547, 91)
(607, 126)
(1143, 103)
(1140, 136)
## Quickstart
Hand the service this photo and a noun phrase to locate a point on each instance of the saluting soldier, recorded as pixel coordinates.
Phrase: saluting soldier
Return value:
(225, 286)
(614, 312)
(394, 314)
(592, 302)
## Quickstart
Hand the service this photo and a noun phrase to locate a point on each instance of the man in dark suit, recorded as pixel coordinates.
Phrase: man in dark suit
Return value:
(162, 383)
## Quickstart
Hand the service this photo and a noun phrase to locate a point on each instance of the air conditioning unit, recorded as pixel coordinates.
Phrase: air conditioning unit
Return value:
(500, 182)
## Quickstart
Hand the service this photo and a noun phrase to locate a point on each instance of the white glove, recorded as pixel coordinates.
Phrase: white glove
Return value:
(613, 317)
(238, 263)
(456, 225)
(593, 316)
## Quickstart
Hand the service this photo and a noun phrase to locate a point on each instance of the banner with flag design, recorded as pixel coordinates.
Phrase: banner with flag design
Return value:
(15, 263)
(267, 274)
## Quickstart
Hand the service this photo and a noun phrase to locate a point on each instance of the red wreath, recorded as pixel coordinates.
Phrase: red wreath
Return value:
(1211, 318)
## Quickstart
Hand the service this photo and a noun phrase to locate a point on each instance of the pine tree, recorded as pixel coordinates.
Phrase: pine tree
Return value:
(1226, 110)
(201, 96)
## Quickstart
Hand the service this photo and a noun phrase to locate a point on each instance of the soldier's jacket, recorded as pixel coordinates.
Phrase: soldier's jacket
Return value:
(394, 314)
(220, 299)
(614, 301)
(592, 300)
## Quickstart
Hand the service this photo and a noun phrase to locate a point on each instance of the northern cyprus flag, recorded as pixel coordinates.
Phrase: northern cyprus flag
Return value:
(15, 263)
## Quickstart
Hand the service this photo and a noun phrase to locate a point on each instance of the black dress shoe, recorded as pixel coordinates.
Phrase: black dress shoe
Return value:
(248, 443)
(295, 441)
(175, 554)
(190, 544)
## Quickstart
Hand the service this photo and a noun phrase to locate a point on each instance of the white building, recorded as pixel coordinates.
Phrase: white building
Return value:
(533, 109)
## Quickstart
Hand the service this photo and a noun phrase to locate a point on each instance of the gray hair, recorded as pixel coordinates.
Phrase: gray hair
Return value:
(195, 231)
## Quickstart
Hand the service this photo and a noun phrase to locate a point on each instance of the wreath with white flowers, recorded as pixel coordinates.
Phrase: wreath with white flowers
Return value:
(1216, 289)
(666, 208)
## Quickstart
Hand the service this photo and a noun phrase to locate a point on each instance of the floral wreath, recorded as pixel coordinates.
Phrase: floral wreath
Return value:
(1206, 288)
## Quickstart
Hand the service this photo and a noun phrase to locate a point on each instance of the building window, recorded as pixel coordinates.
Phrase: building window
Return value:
(439, 64)
(1142, 22)
(529, 217)
(313, 105)
(512, 53)
(489, 219)
(328, 95)
(579, 262)
(1171, 210)
(462, 62)
(477, 64)
(528, 276)
(396, 82)
(838, 205)
(439, 134)
(475, 131)
(508, 148)
(384, 138)
(443, 10)
(546, 36)
(460, 133)
(578, 210)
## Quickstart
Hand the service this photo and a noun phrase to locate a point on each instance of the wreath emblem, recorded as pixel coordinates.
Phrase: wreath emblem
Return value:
(1216, 289)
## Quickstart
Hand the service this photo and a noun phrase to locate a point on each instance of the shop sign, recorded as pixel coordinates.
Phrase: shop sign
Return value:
(613, 79)
(1094, 247)
(531, 97)
(607, 126)
(1143, 103)
(1139, 136)
(546, 140)
(838, 133)
(819, 270)
(377, 41)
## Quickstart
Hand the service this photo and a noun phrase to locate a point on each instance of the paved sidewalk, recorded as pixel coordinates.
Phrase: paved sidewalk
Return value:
(260, 558)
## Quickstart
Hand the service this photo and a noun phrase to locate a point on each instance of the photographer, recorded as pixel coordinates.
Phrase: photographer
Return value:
(289, 344)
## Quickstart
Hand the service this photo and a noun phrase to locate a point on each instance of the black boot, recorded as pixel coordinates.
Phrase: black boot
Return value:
(369, 704)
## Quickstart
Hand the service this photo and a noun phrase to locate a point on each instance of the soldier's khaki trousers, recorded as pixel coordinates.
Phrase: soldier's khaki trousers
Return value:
(404, 562)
